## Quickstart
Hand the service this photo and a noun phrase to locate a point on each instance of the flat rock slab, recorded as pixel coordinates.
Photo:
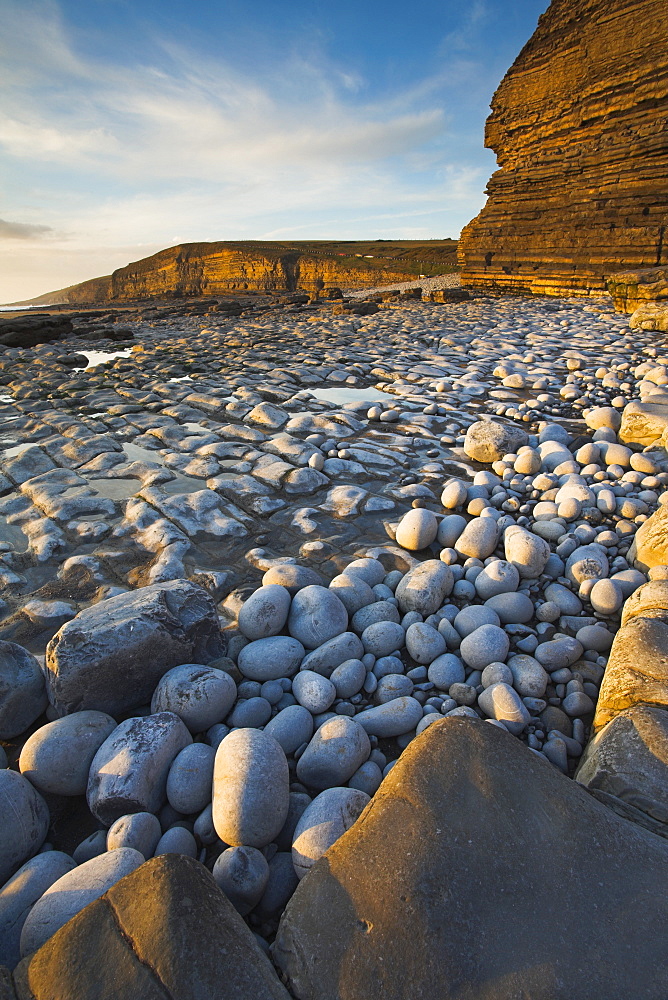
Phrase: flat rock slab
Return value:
(479, 872)
(165, 930)
(112, 655)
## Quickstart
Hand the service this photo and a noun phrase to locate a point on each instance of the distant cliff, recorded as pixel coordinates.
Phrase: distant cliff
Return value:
(579, 125)
(203, 269)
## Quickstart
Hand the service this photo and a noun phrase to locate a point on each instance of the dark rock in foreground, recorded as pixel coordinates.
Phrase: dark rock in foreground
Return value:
(478, 871)
(166, 930)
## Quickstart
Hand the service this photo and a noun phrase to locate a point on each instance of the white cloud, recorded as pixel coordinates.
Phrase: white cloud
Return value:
(185, 149)
(22, 230)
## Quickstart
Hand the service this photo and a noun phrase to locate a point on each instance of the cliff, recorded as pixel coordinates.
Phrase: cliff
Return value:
(579, 125)
(204, 269)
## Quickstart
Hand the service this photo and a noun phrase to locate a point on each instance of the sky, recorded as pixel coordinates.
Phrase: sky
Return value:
(127, 126)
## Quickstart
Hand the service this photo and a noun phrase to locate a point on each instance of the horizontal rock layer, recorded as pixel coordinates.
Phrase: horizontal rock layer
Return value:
(579, 127)
(201, 269)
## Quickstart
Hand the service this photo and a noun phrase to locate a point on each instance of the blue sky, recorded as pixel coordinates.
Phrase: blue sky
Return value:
(130, 125)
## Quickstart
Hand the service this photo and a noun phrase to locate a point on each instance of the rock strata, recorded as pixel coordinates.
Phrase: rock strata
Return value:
(581, 110)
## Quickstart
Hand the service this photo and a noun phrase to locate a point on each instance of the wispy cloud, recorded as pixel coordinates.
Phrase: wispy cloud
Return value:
(184, 147)
(22, 230)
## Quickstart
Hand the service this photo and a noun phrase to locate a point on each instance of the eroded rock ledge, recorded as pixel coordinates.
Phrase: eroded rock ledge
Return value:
(578, 125)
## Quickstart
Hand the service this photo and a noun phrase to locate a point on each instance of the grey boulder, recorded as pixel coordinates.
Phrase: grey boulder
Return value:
(18, 896)
(130, 641)
(58, 756)
(24, 821)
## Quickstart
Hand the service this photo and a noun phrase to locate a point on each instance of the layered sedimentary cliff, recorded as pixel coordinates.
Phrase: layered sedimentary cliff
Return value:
(579, 125)
(202, 269)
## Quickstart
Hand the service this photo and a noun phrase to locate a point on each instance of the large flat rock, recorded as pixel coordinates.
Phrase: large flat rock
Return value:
(643, 422)
(479, 872)
(165, 932)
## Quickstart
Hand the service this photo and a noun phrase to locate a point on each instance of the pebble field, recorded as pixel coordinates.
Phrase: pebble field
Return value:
(245, 562)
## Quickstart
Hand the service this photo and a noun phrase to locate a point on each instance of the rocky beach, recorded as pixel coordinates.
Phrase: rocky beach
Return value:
(355, 577)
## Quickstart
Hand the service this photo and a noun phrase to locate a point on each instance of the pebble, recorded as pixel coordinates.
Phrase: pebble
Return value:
(265, 612)
(291, 727)
(501, 702)
(242, 873)
(19, 895)
(271, 658)
(24, 821)
(316, 615)
(424, 643)
(22, 690)
(487, 644)
(478, 539)
(338, 748)
(417, 529)
(140, 831)
(327, 818)
(348, 678)
(251, 785)
(396, 717)
(177, 840)
(58, 756)
(446, 670)
(201, 696)
(425, 587)
(189, 779)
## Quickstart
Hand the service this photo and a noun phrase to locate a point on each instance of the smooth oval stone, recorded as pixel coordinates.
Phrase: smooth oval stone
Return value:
(242, 873)
(203, 827)
(72, 892)
(336, 751)
(316, 615)
(446, 670)
(417, 529)
(177, 840)
(129, 771)
(451, 526)
(291, 727)
(489, 440)
(327, 818)
(281, 884)
(424, 643)
(20, 893)
(392, 686)
(425, 587)
(251, 786)
(249, 713)
(332, 653)
(91, 847)
(488, 644)
(271, 658)
(512, 609)
(578, 703)
(478, 539)
(348, 678)
(499, 577)
(529, 677)
(24, 821)
(140, 830)
(595, 637)
(368, 777)
(22, 690)
(353, 592)
(558, 653)
(503, 703)
(57, 758)
(292, 577)
(265, 612)
(396, 717)
(495, 673)
(472, 617)
(567, 602)
(383, 638)
(190, 777)
(313, 691)
(527, 552)
(380, 611)
(200, 696)
(606, 597)
(454, 495)
(588, 562)
(371, 571)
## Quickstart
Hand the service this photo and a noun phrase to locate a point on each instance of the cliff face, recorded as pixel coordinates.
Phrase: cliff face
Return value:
(203, 269)
(579, 125)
